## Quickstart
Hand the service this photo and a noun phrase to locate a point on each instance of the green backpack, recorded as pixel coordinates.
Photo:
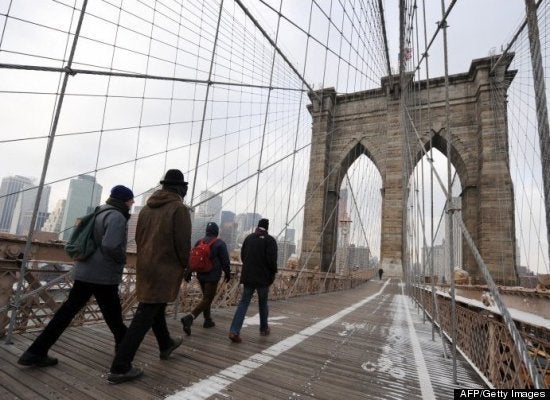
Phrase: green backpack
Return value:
(81, 244)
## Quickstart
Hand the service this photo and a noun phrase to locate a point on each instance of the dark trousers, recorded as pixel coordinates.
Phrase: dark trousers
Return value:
(147, 316)
(108, 301)
(208, 293)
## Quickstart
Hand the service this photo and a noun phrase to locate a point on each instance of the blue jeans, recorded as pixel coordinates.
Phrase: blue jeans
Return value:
(240, 313)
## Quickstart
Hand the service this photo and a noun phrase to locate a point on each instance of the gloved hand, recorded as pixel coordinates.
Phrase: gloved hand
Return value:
(227, 277)
(187, 276)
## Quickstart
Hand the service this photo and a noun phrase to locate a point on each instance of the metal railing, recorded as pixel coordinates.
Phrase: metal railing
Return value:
(482, 337)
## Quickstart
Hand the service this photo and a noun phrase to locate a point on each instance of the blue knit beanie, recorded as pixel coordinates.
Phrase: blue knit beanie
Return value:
(122, 193)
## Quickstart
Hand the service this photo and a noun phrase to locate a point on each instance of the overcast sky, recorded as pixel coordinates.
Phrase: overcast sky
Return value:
(125, 127)
(476, 28)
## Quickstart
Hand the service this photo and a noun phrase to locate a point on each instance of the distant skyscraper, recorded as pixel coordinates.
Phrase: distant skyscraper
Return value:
(290, 235)
(53, 223)
(228, 230)
(457, 233)
(84, 195)
(245, 224)
(343, 204)
(209, 210)
(440, 261)
(16, 200)
(285, 250)
(358, 257)
(132, 225)
(211, 206)
(22, 216)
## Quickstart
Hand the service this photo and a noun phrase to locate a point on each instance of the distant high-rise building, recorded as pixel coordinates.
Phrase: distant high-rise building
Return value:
(440, 262)
(358, 257)
(17, 198)
(211, 206)
(84, 195)
(343, 203)
(284, 251)
(290, 235)
(132, 225)
(228, 230)
(10, 192)
(457, 233)
(22, 216)
(246, 222)
(208, 210)
(53, 223)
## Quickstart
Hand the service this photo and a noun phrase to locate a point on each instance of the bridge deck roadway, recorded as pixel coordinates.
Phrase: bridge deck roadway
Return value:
(366, 343)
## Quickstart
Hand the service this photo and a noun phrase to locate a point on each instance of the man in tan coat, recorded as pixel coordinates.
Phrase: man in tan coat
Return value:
(163, 239)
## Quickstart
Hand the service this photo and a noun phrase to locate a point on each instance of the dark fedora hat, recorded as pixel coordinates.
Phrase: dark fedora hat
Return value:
(173, 177)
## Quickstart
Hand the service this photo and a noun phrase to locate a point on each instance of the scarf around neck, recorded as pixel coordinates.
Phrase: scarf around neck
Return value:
(120, 206)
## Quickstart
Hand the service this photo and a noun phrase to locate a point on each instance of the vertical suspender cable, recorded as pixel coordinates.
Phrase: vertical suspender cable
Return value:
(260, 159)
(206, 102)
(143, 94)
(405, 262)
(173, 89)
(449, 225)
(435, 316)
(297, 128)
(381, 8)
(49, 146)
(541, 106)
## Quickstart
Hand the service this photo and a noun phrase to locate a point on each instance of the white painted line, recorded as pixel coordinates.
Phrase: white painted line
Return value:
(216, 383)
(423, 375)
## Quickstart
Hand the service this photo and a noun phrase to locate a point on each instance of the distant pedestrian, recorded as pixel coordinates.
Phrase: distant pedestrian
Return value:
(380, 273)
(259, 257)
(99, 275)
(163, 236)
(209, 280)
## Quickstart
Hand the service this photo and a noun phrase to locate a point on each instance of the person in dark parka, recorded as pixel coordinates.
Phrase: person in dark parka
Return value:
(209, 280)
(259, 257)
(163, 239)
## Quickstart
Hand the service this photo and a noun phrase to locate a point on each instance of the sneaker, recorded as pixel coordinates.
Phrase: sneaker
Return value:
(134, 373)
(208, 323)
(164, 354)
(32, 360)
(187, 321)
(265, 332)
(235, 338)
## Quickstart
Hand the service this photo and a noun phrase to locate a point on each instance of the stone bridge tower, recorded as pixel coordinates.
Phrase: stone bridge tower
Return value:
(370, 123)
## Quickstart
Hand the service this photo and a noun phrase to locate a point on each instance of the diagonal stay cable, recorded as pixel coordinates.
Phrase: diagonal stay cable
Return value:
(284, 57)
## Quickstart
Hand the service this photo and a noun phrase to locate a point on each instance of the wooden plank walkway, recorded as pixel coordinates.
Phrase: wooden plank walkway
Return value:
(365, 343)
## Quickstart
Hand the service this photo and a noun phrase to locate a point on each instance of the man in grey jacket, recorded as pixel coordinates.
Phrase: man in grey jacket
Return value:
(99, 275)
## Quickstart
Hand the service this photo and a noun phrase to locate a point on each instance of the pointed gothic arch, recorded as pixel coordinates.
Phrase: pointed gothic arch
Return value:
(370, 123)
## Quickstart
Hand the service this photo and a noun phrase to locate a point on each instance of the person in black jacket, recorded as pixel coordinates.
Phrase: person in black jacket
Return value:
(259, 257)
(209, 280)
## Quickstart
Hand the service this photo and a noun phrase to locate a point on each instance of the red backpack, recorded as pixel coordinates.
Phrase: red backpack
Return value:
(199, 258)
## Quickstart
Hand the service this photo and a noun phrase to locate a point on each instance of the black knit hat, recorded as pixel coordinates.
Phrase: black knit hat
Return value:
(173, 177)
(212, 228)
(263, 223)
(122, 193)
